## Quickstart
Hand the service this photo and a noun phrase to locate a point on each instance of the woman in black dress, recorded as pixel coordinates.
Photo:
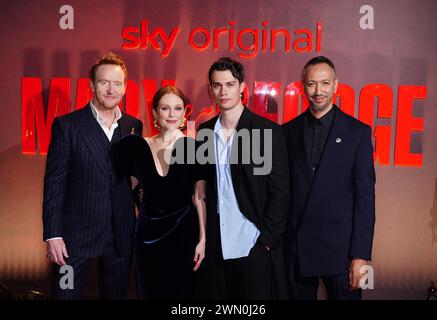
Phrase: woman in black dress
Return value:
(170, 232)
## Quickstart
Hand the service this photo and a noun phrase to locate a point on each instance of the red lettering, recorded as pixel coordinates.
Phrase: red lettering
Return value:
(406, 123)
(200, 38)
(308, 40)
(246, 95)
(206, 35)
(253, 47)
(36, 122)
(231, 35)
(149, 88)
(128, 34)
(382, 134)
(217, 32)
(274, 33)
(142, 40)
(32, 109)
(291, 101)
(132, 99)
(84, 93)
(319, 36)
(264, 37)
(264, 94)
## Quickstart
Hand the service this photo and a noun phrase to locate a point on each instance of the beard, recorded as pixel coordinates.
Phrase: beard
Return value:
(320, 107)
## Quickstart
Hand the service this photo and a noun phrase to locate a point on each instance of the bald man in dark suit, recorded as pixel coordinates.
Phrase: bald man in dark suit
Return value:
(332, 206)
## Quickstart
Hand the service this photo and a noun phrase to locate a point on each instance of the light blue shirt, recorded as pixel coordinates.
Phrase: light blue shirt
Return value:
(238, 234)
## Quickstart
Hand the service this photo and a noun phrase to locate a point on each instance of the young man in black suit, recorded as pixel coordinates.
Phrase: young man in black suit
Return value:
(87, 212)
(246, 198)
(332, 206)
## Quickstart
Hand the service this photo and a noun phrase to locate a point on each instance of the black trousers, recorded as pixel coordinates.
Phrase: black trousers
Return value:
(305, 288)
(246, 278)
(114, 272)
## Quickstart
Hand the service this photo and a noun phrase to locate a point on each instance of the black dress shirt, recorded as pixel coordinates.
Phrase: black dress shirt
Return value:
(317, 131)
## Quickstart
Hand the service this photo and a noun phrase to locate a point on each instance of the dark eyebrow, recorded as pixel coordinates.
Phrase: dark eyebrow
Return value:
(227, 82)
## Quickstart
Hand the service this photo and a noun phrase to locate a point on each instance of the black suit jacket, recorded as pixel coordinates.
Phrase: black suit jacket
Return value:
(332, 213)
(263, 199)
(83, 201)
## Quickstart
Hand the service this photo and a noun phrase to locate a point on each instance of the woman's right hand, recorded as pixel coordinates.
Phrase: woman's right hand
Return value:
(199, 254)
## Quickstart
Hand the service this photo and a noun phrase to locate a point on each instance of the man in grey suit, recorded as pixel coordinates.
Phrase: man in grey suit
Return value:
(87, 212)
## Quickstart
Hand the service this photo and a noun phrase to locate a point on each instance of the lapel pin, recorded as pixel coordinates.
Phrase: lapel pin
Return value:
(132, 130)
(338, 140)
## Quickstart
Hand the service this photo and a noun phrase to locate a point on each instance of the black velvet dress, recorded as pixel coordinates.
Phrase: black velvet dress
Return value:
(167, 230)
